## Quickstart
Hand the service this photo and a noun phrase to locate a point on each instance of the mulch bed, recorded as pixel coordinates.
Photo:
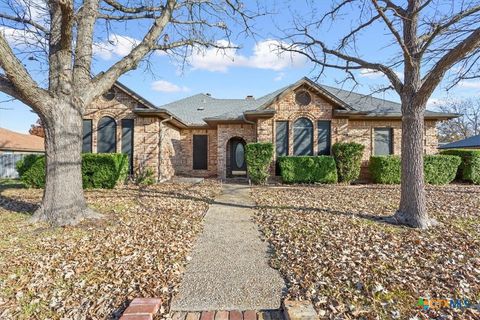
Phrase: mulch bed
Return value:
(93, 270)
(332, 250)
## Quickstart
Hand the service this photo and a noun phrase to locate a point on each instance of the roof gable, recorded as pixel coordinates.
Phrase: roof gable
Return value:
(312, 85)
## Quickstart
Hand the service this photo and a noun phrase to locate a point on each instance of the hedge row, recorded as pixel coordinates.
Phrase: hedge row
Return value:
(438, 169)
(258, 157)
(305, 169)
(348, 157)
(99, 170)
(469, 169)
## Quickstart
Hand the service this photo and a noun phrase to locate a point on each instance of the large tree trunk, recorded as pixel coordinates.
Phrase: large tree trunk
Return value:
(63, 199)
(413, 211)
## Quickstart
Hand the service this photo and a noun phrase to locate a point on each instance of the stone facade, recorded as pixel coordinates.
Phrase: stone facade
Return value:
(168, 150)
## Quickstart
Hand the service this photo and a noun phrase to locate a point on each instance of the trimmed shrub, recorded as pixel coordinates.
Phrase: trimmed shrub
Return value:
(385, 169)
(438, 169)
(99, 170)
(259, 157)
(469, 169)
(145, 177)
(104, 170)
(348, 157)
(305, 169)
(31, 170)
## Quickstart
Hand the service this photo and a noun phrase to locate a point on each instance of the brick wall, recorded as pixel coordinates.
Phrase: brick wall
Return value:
(224, 133)
(342, 129)
(146, 134)
(184, 162)
(177, 147)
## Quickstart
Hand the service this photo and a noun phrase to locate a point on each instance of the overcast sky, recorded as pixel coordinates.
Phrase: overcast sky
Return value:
(255, 69)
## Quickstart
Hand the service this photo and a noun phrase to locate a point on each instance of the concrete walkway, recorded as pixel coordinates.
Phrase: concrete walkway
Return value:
(229, 268)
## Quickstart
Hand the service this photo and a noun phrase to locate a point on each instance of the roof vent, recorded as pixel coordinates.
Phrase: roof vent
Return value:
(249, 97)
(201, 108)
(208, 94)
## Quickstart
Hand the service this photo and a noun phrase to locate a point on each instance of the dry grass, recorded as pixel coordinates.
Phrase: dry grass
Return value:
(331, 249)
(91, 271)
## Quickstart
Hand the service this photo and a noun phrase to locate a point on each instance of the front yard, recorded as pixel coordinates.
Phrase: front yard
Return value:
(92, 270)
(330, 249)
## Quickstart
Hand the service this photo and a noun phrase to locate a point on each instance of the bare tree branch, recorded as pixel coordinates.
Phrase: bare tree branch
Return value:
(427, 39)
(24, 20)
(435, 75)
(105, 80)
(406, 53)
(18, 81)
(83, 48)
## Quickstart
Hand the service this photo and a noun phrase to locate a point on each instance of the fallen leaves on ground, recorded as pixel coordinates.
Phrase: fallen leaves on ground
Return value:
(93, 270)
(331, 249)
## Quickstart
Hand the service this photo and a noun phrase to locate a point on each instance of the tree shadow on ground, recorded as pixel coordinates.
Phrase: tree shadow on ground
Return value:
(366, 216)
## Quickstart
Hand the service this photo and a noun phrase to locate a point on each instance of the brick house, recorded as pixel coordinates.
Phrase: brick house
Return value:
(203, 136)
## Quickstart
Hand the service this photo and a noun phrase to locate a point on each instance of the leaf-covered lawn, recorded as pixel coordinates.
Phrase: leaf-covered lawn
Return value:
(331, 250)
(92, 270)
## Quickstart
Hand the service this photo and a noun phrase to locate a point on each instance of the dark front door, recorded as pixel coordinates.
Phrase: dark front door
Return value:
(237, 158)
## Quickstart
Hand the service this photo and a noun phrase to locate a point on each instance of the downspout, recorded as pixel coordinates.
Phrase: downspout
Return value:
(250, 122)
(160, 144)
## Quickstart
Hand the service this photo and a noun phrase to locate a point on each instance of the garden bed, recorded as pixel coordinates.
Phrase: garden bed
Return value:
(91, 271)
(331, 249)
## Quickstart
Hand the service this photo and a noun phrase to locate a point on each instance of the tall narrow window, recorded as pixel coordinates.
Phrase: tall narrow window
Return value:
(324, 137)
(200, 152)
(383, 141)
(107, 135)
(127, 140)
(281, 142)
(303, 137)
(87, 136)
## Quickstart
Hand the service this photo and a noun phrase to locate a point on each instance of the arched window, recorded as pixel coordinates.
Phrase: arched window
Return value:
(303, 137)
(107, 135)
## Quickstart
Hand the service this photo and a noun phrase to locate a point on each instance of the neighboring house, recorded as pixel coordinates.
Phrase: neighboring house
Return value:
(15, 146)
(15, 142)
(204, 136)
(468, 143)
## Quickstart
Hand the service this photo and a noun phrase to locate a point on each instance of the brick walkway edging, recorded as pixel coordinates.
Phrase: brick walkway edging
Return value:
(141, 309)
(146, 308)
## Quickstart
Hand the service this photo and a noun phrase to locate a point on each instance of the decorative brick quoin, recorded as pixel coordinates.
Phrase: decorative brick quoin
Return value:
(201, 136)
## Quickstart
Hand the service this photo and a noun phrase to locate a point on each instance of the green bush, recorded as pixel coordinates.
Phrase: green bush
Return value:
(385, 169)
(259, 157)
(438, 169)
(99, 170)
(305, 169)
(469, 169)
(31, 170)
(104, 170)
(145, 177)
(348, 157)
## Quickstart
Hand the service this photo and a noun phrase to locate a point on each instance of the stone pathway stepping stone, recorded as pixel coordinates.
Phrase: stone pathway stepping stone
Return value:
(229, 267)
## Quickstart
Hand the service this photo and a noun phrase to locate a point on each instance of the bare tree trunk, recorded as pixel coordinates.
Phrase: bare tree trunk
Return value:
(63, 198)
(413, 210)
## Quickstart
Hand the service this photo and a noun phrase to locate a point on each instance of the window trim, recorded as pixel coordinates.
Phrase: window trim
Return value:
(390, 145)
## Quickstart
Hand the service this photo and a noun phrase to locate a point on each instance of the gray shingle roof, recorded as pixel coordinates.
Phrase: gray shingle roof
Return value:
(194, 110)
(472, 142)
